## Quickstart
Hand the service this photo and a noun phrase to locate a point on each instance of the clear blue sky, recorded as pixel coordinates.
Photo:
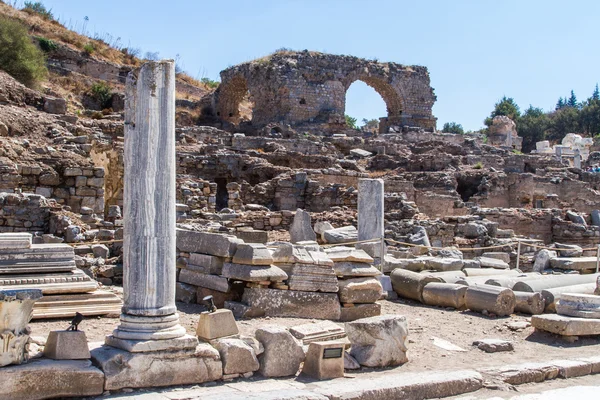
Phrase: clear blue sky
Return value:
(476, 50)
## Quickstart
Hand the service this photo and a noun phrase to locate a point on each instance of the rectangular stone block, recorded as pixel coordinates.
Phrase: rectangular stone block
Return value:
(289, 303)
(207, 243)
(45, 378)
(324, 360)
(577, 263)
(370, 209)
(566, 326)
(123, 369)
(218, 324)
(211, 264)
(214, 282)
(359, 311)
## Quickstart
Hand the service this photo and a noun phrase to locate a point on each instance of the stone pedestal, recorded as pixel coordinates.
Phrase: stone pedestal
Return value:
(16, 307)
(370, 209)
(67, 345)
(218, 324)
(324, 360)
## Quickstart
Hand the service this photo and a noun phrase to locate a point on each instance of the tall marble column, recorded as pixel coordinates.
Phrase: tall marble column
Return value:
(149, 311)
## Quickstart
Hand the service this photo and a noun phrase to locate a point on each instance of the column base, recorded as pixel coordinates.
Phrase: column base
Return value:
(149, 328)
(185, 342)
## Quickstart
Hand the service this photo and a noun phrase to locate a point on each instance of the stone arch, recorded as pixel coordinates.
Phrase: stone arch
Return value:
(230, 96)
(388, 93)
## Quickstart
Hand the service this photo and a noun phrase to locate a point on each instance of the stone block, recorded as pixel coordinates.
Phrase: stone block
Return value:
(46, 378)
(565, 325)
(252, 254)
(219, 298)
(215, 325)
(576, 263)
(595, 215)
(324, 360)
(379, 341)
(253, 273)
(185, 293)
(317, 332)
(344, 234)
(487, 262)
(207, 243)
(493, 345)
(353, 269)
(123, 369)
(67, 345)
(100, 250)
(236, 355)
(349, 254)
(360, 290)
(295, 304)
(370, 209)
(214, 282)
(253, 236)
(210, 264)
(301, 228)
(359, 311)
(283, 353)
(185, 342)
(55, 105)
(578, 305)
(569, 250)
(498, 255)
(542, 260)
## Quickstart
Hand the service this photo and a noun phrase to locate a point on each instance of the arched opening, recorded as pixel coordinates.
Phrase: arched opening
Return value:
(369, 99)
(235, 101)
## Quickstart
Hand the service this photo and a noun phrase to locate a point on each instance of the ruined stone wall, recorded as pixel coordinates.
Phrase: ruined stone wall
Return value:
(23, 213)
(306, 87)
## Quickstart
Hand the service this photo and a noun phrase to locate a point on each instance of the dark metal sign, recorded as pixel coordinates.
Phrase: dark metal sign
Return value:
(335, 352)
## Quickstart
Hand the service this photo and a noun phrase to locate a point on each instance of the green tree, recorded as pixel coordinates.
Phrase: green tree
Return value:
(572, 102)
(506, 106)
(532, 127)
(589, 116)
(351, 122)
(453, 127)
(37, 7)
(560, 104)
(19, 56)
(596, 94)
(563, 121)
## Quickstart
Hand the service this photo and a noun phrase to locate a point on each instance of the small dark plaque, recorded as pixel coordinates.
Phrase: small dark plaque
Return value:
(336, 352)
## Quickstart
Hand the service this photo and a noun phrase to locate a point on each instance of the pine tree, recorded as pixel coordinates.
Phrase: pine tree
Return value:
(596, 94)
(560, 104)
(572, 102)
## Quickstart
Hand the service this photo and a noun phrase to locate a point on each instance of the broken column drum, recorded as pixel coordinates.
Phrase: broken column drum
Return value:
(15, 313)
(149, 253)
(370, 209)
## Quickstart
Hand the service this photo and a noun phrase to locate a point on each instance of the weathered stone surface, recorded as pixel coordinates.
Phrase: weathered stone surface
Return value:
(410, 284)
(252, 254)
(100, 250)
(301, 228)
(487, 262)
(290, 303)
(360, 153)
(349, 254)
(576, 218)
(185, 293)
(354, 269)
(542, 260)
(493, 345)
(523, 373)
(498, 255)
(360, 290)
(241, 310)
(419, 236)
(253, 273)
(370, 209)
(155, 369)
(569, 250)
(313, 278)
(498, 300)
(551, 295)
(217, 324)
(552, 281)
(15, 240)
(67, 345)
(282, 252)
(317, 332)
(210, 264)
(565, 325)
(236, 355)
(344, 234)
(350, 362)
(283, 353)
(578, 305)
(45, 378)
(319, 367)
(529, 303)
(444, 294)
(444, 264)
(219, 298)
(15, 312)
(322, 226)
(214, 244)
(214, 282)
(379, 341)
(576, 263)
(595, 214)
(360, 311)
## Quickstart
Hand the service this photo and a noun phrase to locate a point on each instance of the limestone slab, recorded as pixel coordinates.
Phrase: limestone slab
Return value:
(283, 353)
(578, 305)
(207, 243)
(252, 254)
(15, 313)
(236, 355)
(317, 332)
(576, 263)
(289, 303)
(350, 254)
(354, 269)
(360, 290)
(208, 281)
(301, 228)
(565, 325)
(123, 369)
(45, 378)
(99, 302)
(211, 264)
(488, 262)
(253, 273)
(186, 342)
(218, 324)
(344, 234)
(360, 311)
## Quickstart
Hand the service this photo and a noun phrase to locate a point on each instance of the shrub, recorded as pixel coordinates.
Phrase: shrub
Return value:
(47, 45)
(38, 8)
(89, 48)
(479, 165)
(210, 83)
(19, 56)
(102, 93)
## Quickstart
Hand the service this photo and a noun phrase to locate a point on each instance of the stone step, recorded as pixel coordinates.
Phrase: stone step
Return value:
(52, 257)
(565, 325)
(99, 302)
(578, 305)
(577, 263)
(15, 240)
